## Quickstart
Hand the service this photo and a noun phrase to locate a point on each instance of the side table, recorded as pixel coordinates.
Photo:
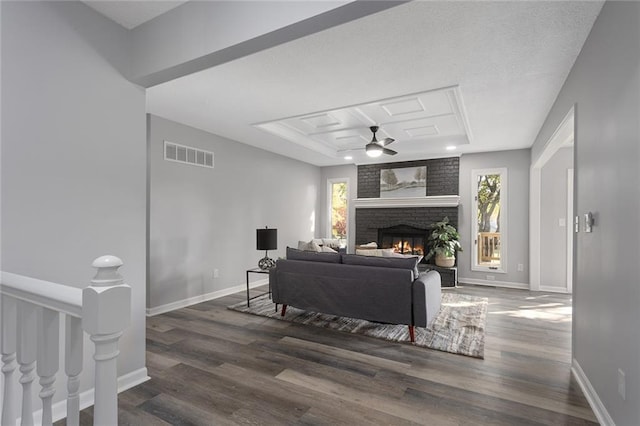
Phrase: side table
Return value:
(449, 276)
(256, 271)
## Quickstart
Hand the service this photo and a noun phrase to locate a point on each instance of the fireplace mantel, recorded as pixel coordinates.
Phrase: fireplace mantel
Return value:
(432, 201)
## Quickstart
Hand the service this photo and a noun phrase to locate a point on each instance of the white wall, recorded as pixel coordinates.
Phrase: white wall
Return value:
(203, 219)
(517, 164)
(73, 160)
(604, 84)
(553, 208)
(349, 171)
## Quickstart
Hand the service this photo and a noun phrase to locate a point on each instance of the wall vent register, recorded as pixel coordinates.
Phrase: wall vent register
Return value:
(187, 155)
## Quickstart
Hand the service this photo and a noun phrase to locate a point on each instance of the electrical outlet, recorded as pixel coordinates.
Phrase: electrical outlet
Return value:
(491, 277)
(520, 267)
(622, 386)
(216, 273)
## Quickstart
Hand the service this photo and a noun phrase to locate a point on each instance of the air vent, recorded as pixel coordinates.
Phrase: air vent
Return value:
(187, 155)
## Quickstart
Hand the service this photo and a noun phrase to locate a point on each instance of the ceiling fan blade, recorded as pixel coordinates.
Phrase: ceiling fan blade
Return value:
(387, 141)
(389, 151)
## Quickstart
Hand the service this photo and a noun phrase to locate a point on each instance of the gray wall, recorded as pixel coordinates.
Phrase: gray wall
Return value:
(553, 207)
(73, 155)
(517, 164)
(604, 84)
(203, 219)
(349, 171)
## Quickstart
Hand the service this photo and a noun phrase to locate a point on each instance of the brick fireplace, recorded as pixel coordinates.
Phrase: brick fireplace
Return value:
(442, 180)
(369, 221)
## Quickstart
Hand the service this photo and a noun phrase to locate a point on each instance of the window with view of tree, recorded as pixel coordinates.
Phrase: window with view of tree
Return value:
(489, 201)
(338, 207)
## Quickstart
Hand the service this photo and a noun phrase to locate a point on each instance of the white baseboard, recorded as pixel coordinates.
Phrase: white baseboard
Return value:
(59, 409)
(506, 284)
(203, 298)
(552, 289)
(590, 393)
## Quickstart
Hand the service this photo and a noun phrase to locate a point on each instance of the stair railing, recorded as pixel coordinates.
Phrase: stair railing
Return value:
(30, 311)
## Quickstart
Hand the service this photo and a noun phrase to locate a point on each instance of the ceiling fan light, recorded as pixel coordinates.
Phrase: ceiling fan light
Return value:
(374, 150)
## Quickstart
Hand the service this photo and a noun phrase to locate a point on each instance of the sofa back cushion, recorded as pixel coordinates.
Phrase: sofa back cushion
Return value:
(293, 254)
(410, 263)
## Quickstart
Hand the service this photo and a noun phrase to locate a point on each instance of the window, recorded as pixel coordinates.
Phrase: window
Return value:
(338, 201)
(489, 192)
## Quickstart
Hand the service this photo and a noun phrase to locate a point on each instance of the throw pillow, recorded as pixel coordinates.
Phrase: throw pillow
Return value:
(325, 249)
(375, 252)
(372, 245)
(293, 254)
(329, 242)
(308, 246)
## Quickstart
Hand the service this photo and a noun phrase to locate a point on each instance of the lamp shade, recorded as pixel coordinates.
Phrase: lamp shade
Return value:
(266, 239)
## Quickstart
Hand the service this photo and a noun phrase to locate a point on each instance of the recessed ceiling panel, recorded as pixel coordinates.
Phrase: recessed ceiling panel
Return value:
(402, 107)
(409, 119)
(422, 131)
(321, 121)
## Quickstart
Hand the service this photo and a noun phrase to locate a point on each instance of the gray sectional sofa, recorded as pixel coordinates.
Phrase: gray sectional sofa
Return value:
(387, 290)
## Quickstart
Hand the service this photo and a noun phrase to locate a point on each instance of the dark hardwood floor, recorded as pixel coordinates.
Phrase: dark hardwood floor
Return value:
(211, 366)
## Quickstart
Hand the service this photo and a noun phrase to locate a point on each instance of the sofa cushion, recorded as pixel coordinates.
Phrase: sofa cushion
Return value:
(410, 263)
(293, 254)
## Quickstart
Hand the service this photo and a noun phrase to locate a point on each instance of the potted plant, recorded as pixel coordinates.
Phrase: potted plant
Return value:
(444, 242)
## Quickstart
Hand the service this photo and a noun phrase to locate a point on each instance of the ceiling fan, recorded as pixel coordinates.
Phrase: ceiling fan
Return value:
(376, 148)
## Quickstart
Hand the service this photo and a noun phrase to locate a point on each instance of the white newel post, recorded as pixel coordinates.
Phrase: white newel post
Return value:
(106, 312)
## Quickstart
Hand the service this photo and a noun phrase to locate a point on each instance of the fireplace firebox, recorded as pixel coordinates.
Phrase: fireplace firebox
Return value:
(403, 239)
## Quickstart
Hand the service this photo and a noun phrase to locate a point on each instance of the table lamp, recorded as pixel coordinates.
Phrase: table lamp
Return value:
(266, 239)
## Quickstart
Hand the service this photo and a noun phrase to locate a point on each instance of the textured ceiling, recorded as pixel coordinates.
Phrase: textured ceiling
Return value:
(508, 61)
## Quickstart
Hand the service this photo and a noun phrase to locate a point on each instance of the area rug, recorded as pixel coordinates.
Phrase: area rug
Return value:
(458, 328)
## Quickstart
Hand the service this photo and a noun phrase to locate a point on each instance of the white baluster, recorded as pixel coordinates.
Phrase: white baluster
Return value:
(73, 367)
(106, 312)
(9, 319)
(26, 342)
(48, 358)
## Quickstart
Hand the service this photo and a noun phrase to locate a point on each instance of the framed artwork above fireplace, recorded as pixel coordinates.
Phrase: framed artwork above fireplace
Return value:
(403, 182)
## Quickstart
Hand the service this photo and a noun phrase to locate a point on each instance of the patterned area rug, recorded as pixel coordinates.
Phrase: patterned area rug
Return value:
(458, 328)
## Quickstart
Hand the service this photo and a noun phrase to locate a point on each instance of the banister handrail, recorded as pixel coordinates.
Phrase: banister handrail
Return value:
(30, 339)
(58, 297)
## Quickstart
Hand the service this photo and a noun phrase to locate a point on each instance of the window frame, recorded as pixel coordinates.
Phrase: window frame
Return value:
(330, 183)
(504, 215)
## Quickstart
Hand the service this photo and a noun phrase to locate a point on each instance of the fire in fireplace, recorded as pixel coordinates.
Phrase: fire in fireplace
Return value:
(403, 239)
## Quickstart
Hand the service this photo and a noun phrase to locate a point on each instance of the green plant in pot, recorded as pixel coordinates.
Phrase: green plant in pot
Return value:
(444, 242)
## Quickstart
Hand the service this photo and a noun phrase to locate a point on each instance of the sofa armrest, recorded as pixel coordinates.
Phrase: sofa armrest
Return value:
(427, 297)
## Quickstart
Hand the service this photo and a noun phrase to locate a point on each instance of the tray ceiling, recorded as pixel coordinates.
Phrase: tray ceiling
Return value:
(426, 120)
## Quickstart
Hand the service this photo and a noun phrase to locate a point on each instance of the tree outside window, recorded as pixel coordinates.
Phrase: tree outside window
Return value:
(490, 220)
(339, 208)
